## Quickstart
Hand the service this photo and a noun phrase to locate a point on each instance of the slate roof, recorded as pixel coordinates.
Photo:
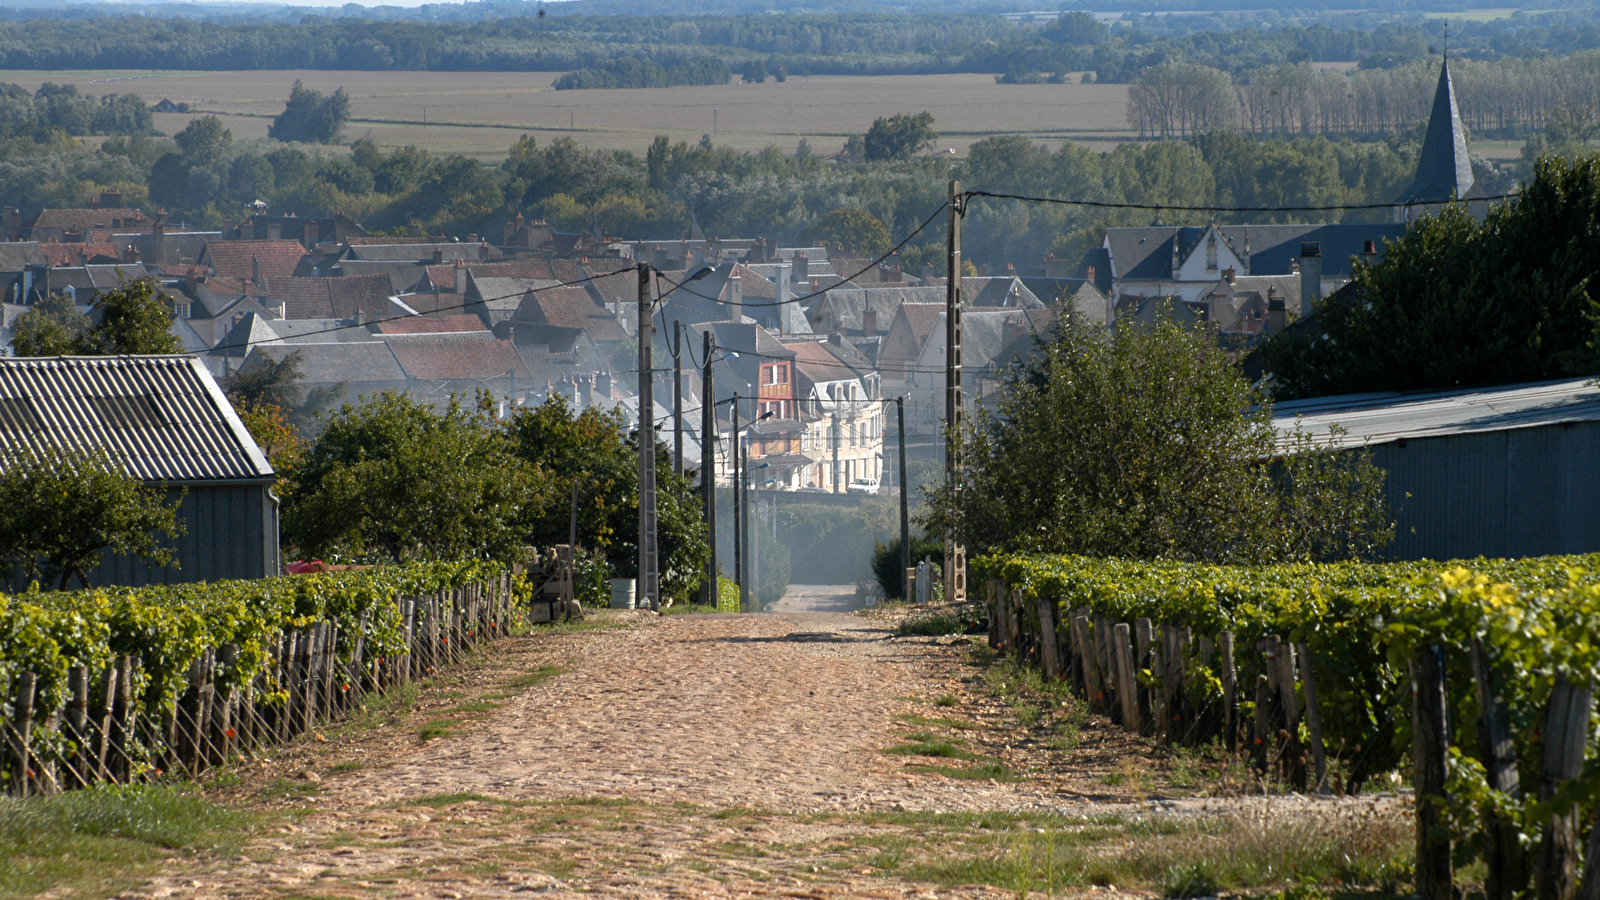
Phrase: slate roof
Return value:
(18, 255)
(1003, 291)
(88, 218)
(415, 252)
(356, 363)
(1145, 254)
(338, 297)
(460, 361)
(162, 417)
(400, 272)
(238, 259)
(1444, 171)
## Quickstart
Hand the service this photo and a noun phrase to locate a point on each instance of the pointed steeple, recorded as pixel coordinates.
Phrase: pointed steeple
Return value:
(1444, 171)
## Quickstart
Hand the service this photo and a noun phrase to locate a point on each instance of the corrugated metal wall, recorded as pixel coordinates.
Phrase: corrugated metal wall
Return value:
(1522, 492)
(227, 536)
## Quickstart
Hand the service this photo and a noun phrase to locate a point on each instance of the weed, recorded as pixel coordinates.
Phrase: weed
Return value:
(925, 722)
(941, 749)
(102, 840)
(474, 706)
(936, 624)
(529, 679)
(438, 728)
(946, 700)
(989, 770)
(287, 789)
(349, 765)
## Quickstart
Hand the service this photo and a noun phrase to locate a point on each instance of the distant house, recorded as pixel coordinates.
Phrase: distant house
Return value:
(167, 423)
(572, 307)
(837, 393)
(361, 297)
(253, 260)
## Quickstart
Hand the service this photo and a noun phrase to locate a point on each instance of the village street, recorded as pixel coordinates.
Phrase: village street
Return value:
(695, 756)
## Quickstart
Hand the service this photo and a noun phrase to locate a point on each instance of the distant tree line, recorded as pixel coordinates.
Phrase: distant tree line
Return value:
(1508, 97)
(632, 72)
(819, 43)
(60, 108)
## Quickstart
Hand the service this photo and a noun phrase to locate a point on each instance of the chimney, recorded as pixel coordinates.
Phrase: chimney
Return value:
(461, 277)
(274, 231)
(1010, 330)
(783, 287)
(602, 383)
(338, 229)
(1229, 274)
(1089, 276)
(360, 318)
(158, 246)
(869, 322)
(10, 224)
(1277, 313)
(312, 235)
(438, 256)
(1310, 275)
(835, 339)
(110, 199)
(255, 270)
(472, 238)
(189, 278)
(802, 269)
(735, 296)
(247, 230)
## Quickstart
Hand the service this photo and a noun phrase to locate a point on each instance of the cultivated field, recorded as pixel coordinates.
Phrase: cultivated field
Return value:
(481, 113)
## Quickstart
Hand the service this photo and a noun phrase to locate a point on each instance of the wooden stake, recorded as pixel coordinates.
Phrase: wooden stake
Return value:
(1131, 720)
(1047, 640)
(1313, 719)
(1230, 692)
(1566, 734)
(1430, 746)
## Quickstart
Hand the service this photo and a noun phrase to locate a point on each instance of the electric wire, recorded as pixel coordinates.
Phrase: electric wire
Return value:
(1158, 207)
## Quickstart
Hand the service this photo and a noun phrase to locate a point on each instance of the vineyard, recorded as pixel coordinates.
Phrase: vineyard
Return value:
(121, 684)
(1475, 679)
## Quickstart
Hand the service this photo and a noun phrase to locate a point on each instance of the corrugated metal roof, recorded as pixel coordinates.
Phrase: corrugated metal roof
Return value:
(1382, 418)
(163, 417)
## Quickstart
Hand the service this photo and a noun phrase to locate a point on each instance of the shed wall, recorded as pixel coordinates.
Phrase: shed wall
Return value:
(1519, 492)
(230, 532)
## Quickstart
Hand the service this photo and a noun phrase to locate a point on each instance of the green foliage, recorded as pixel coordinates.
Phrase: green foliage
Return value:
(310, 117)
(851, 231)
(133, 319)
(1456, 302)
(204, 141)
(393, 479)
(1148, 444)
(1534, 618)
(774, 571)
(61, 510)
(886, 559)
(645, 73)
(59, 108)
(899, 136)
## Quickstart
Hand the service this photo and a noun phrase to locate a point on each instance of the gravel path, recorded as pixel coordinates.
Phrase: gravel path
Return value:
(641, 769)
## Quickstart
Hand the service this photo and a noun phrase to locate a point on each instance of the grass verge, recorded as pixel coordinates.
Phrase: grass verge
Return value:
(100, 841)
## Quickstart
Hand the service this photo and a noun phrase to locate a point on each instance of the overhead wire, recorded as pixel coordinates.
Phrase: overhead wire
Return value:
(1159, 207)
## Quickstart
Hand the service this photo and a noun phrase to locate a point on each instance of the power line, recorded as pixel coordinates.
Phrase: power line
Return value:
(1158, 207)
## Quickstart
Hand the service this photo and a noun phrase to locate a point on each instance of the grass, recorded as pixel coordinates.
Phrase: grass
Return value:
(437, 728)
(936, 623)
(286, 789)
(101, 841)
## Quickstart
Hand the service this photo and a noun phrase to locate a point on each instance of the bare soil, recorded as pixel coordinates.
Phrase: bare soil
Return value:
(683, 756)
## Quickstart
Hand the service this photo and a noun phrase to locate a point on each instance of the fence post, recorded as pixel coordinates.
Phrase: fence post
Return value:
(1566, 734)
(1126, 692)
(21, 733)
(104, 717)
(1506, 861)
(1144, 644)
(78, 725)
(122, 721)
(1091, 669)
(1430, 747)
(1230, 692)
(1047, 640)
(1313, 718)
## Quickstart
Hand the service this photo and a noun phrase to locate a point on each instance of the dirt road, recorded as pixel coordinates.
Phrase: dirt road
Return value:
(688, 756)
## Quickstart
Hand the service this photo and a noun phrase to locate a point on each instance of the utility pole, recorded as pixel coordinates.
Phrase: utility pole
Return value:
(677, 397)
(709, 440)
(955, 555)
(738, 541)
(905, 515)
(649, 582)
(748, 588)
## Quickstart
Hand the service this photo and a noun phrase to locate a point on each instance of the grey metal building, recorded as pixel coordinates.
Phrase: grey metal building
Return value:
(167, 422)
(1499, 472)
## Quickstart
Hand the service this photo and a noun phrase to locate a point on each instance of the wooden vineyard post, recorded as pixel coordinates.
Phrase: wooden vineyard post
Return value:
(122, 722)
(1313, 719)
(1566, 733)
(1506, 861)
(1144, 641)
(104, 714)
(1091, 668)
(1430, 746)
(20, 734)
(78, 774)
(1126, 692)
(1230, 692)
(1014, 622)
(1100, 640)
(1047, 640)
(991, 606)
(1261, 722)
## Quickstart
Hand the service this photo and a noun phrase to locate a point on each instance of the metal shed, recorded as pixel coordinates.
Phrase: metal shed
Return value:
(1500, 472)
(166, 420)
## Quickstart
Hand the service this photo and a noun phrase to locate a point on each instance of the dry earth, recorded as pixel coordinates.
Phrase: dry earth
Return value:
(684, 756)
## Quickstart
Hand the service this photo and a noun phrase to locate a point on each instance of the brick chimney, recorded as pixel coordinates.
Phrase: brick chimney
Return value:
(1310, 275)
(312, 235)
(602, 383)
(802, 269)
(438, 256)
(255, 270)
(1089, 276)
(1228, 274)
(1277, 312)
(461, 276)
(10, 224)
(836, 339)
(869, 322)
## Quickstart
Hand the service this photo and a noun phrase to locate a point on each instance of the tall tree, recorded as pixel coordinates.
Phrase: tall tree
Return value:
(851, 230)
(133, 319)
(311, 117)
(899, 136)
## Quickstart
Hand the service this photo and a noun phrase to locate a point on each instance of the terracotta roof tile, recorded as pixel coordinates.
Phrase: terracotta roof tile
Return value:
(58, 254)
(89, 218)
(460, 361)
(239, 258)
(571, 307)
(440, 324)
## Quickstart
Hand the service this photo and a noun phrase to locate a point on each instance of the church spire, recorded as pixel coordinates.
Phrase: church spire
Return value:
(1444, 172)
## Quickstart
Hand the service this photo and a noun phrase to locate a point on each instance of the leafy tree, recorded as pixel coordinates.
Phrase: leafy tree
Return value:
(755, 72)
(589, 451)
(268, 384)
(886, 559)
(393, 479)
(204, 141)
(310, 117)
(62, 509)
(1148, 445)
(133, 319)
(52, 328)
(899, 136)
(1457, 302)
(852, 230)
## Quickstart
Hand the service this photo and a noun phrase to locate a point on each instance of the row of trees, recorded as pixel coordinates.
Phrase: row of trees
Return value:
(633, 72)
(61, 109)
(1509, 96)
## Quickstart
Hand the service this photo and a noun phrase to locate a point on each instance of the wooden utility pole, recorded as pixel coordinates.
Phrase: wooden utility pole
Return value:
(649, 582)
(905, 514)
(738, 540)
(677, 397)
(955, 555)
(708, 469)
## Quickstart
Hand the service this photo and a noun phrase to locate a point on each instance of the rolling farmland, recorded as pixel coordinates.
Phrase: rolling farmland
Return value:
(481, 113)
